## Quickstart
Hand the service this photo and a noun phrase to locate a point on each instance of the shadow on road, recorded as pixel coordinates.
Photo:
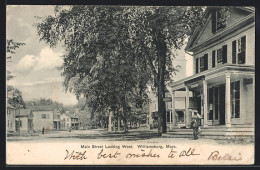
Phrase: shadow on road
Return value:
(118, 136)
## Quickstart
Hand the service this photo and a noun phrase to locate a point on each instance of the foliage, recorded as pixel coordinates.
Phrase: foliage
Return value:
(99, 63)
(10, 49)
(15, 97)
(112, 53)
(44, 104)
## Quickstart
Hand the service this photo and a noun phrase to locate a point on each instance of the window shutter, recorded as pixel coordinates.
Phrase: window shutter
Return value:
(213, 58)
(213, 19)
(234, 51)
(205, 61)
(224, 54)
(197, 65)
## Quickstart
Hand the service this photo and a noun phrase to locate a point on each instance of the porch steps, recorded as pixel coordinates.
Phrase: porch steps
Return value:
(215, 132)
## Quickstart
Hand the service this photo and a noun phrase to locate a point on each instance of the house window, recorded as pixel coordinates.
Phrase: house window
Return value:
(20, 123)
(217, 21)
(43, 116)
(239, 51)
(235, 99)
(219, 56)
(202, 64)
(8, 123)
(222, 55)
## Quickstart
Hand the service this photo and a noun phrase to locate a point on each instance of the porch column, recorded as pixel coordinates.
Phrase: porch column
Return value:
(205, 103)
(187, 107)
(227, 101)
(173, 109)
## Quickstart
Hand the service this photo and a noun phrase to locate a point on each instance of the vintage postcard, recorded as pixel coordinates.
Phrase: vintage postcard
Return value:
(130, 85)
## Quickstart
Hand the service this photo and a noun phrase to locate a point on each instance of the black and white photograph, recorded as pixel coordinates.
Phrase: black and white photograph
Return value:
(130, 85)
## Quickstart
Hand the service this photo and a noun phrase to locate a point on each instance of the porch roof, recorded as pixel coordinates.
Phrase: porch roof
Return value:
(23, 112)
(213, 73)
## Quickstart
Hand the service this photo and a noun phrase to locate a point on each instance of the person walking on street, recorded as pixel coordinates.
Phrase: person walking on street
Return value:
(43, 130)
(195, 123)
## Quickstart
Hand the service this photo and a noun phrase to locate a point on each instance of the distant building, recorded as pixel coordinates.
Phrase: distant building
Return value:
(182, 62)
(43, 119)
(46, 116)
(10, 124)
(23, 119)
(65, 121)
(56, 119)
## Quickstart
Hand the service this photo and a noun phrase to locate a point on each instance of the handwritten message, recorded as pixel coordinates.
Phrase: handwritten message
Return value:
(146, 151)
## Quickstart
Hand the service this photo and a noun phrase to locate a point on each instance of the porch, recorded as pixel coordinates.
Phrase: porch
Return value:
(222, 96)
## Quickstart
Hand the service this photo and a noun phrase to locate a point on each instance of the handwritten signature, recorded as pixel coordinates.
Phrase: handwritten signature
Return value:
(215, 155)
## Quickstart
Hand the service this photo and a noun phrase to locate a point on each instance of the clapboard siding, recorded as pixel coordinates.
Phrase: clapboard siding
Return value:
(250, 49)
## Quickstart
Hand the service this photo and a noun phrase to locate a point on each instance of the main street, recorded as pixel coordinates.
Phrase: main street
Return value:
(135, 135)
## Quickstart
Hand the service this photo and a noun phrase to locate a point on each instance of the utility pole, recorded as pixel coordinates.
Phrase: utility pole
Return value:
(19, 120)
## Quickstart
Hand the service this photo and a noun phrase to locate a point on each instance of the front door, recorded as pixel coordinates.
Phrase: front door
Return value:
(16, 125)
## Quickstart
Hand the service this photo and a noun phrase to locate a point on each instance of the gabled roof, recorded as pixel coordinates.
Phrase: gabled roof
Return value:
(43, 108)
(23, 112)
(70, 115)
(9, 106)
(194, 37)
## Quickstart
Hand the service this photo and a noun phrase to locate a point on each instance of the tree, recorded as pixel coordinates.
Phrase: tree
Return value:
(15, 97)
(99, 63)
(10, 49)
(112, 52)
(155, 31)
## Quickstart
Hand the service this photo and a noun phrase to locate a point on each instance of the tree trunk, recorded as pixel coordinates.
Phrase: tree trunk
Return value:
(161, 52)
(124, 115)
(118, 120)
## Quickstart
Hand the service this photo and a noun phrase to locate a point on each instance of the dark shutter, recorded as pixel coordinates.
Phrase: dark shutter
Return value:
(197, 65)
(224, 54)
(213, 58)
(213, 19)
(242, 55)
(234, 52)
(205, 61)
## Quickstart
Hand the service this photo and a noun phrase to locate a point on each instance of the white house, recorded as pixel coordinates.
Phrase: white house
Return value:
(223, 79)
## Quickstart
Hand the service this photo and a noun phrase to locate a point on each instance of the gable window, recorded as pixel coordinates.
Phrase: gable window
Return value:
(239, 51)
(43, 116)
(222, 55)
(217, 21)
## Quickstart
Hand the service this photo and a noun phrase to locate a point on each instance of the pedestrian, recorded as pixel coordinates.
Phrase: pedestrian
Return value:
(43, 130)
(195, 123)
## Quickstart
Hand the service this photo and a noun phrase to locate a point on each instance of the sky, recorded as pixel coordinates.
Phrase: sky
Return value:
(35, 64)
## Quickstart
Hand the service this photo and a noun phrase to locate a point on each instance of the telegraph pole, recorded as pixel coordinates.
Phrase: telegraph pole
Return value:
(19, 120)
